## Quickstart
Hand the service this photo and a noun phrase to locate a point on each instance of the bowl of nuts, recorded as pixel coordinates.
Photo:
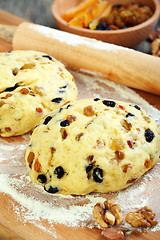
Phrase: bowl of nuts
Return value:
(121, 22)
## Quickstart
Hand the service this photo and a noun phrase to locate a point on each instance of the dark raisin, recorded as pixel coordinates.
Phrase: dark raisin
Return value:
(90, 158)
(101, 26)
(10, 89)
(60, 110)
(42, 178)
(47, 56)
(149, 135)
(59, 171)
(109, 103)
(96, 99)
(61, 91)
(56, 100)
(89, 168)
(130, 115)
(136, 106)
(117, 6)
(98, 175)
(69, 105)
(47, 119)
(64, 123)
(51, 189)
(64, 86)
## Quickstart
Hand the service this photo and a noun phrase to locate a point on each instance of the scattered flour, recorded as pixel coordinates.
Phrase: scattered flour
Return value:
(32, 204)
(75, 40)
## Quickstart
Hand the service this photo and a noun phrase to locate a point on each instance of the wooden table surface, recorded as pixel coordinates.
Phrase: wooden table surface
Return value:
(5, 233)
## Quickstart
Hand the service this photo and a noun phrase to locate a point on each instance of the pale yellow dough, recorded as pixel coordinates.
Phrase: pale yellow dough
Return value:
(93, 145)
(32, 84)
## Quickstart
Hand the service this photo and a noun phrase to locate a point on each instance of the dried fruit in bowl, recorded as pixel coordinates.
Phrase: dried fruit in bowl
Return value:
(83, 18)
(75, 10)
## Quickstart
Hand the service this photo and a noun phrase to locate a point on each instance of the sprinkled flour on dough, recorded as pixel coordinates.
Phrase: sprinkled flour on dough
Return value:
(32, 204)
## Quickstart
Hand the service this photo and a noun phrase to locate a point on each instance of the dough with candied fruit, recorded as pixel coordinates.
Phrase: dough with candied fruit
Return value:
(32, 84)
(93, 145)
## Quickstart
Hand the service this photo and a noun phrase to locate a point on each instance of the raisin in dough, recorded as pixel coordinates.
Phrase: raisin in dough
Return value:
(32, 84)
(93, 145)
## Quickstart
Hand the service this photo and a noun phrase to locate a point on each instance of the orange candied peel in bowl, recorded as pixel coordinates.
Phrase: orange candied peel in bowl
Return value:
(101, 15)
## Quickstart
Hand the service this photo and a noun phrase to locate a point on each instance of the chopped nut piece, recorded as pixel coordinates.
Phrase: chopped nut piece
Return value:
(8, 129)
(71, 118)
(7, 96)
(126, 167)
(37, 166)
(126, 125)
(117, 144)
(99, 144)
(144, 217)
(88, 111)
(119, 155)
(63, 133)
(24, 91)
(112, 234)
(2, 103)
(28, 66)
(90, 158)
(107, 213)
(109, 218)
(53, 150)
(98, 214)
(77, 138)
(30, 158)
(15, 71)
(131, 180)
(148, 163)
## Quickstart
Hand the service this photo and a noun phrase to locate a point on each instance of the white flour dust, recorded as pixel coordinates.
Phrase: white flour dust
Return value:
(32, 204)
(75, 40)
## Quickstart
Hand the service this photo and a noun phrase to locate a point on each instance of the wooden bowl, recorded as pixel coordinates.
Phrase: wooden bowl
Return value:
(129, 37)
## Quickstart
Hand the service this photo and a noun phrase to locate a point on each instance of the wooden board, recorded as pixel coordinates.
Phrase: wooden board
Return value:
(13, 228)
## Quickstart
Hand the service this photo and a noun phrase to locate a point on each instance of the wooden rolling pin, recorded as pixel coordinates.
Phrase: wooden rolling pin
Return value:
(119, 64)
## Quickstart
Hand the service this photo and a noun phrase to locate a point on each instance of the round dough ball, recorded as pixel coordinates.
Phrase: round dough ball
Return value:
(32, 84)
(93, 145)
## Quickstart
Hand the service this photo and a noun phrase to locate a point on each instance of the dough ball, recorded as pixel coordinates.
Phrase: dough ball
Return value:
(93, 145)
(32, 84)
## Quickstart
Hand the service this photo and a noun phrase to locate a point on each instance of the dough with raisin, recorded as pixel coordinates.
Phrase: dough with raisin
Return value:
(32, 84)
(93, 145)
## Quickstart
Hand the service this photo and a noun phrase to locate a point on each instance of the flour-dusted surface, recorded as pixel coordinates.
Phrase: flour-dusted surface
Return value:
(31, 205)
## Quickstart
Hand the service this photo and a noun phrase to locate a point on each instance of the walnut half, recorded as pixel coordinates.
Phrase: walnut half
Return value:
(144, 217)
(107, 213)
